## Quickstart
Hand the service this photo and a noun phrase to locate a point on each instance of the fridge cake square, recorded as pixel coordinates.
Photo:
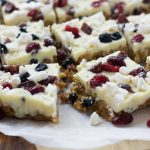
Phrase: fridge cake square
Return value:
(113, 86)
(89, 37)
(29, 91)
(137, 33)
(15, 12)
(69, 9)
(26, 44)
(129, 7)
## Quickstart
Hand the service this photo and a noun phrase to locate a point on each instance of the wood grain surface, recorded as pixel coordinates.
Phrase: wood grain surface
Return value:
(18, 143)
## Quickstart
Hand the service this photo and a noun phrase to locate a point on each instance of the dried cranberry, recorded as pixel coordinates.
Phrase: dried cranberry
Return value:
(61, 54)
(35, 37)
(138, 38)
(60, 3)
(110, 68)
(26, 85)
(74, 31)
(3, 49)
(7, 85)
(3, 2)
(73, 97)
(12, 69)
(86, 29)
(148, 123)
(10, 7)
(98, 80)
(70, 11)
(33, 47)
(87, 102)
(122, 55)
(35, 15)
(126, 87)
(36, 89)
(141, 72)
(24, 76)
(48, 42)
(50, 79)
(33, 61)
(116, 36)
(122, 119)
(105, 38)
(116, 61)
(97, 68)
(41, 67)
(122, 18)
(118, 9)
(97, 3)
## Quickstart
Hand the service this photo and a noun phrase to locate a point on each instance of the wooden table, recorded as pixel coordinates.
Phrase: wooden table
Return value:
(17, 143)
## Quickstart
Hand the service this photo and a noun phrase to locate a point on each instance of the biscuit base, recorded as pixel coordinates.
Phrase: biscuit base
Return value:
(99, 106)
(9, 112)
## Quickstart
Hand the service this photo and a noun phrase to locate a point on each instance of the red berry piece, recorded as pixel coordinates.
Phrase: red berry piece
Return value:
(48, 42)
(86, 29)
(10, 7)
(148, 123)
(70, 11)
(60, 3)
(12, 69)
(141, 72)
(61, 54)
(126, 87)
(26, 84)
(36, 89)
(74, 31)
(122, 119)
(35, 15)
(97, 68)
(97, 3)
(98, 80)
(7, 85)
(117, 10)
(116, 61)
(110, 68)
(122, 55)
(138, 38)
(33, 47)
(50, 79)
(122, 18)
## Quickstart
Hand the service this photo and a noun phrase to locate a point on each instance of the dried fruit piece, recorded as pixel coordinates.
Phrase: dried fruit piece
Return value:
(97, 3)
(26, 85)
(122, 119)
(73, 97)
(24, 76)
(148, 123)
(105, 38)
(98, 80)
(41, 67)
(126, 87)
(122, 18)
(60, 3)
(35, 15)
(49, 80)
(36, 89)
(110, 68)
(138, 38)
(117, 10)
(33, 47)
(48, 42)
(7, 85)
(74, 31)
(97, 68)
(87, 102)
(3, 49)
(141, 72)
(86, 29)
(116, 36)
(10, 7)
